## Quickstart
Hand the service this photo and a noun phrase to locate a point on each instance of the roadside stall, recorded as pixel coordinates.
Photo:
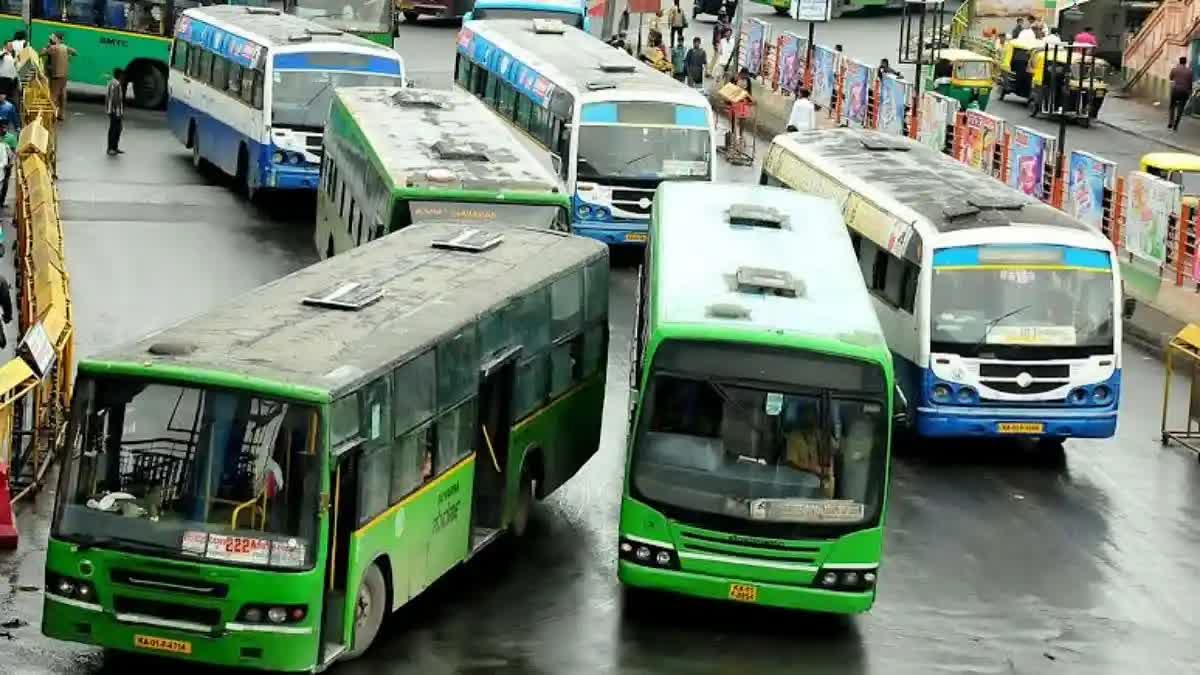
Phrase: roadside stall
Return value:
(1183, 353)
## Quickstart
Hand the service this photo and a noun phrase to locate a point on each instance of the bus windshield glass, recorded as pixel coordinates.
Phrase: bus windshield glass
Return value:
(355, 15)
(1028, 305)
(622, 151)
(569, 18)
(546, 216)
(790, 456)
(301, 98)
(190, 472)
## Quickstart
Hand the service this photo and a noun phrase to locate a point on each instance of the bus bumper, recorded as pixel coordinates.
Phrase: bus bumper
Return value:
(947, 421)
(74, 621)
(770, 595)
(280, 177)
(613, 232)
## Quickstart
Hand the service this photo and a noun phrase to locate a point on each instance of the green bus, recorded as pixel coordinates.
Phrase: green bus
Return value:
(258, 486)
(398, 156)
(760, 407)
(133, 35)
(374, 20)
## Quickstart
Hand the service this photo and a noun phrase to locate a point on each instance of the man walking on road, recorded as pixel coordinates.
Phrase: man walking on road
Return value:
(695, 62)
(677, 21)
(1181, 90)
(114, 105)
(58, 64)
(804, 113)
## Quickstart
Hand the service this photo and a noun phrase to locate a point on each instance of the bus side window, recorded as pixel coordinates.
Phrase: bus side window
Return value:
(866, 260)
(879, 270)
(219, 78)
(893, 285)
(206, 62)
(248, 77)
(491, 94)
(258, 89)
(193, 63)
(456, 435)
(908, 297)
(375, 464)
(360, 229)
(479, 79)
(342, 207)
(566, 322)
(531, 327)
(856, 242)
(179, 57)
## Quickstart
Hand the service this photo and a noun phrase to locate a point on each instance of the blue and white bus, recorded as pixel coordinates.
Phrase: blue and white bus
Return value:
(613, 127)
(250, 89)
(1003, 313)
(571, 12)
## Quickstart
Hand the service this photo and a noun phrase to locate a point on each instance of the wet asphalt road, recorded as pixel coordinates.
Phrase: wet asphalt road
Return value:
(998, 560)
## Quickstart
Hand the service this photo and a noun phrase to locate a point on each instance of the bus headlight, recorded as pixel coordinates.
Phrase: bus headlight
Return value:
(1079, 396)
(966, 395)
(1101, 394)
(278, 157)
(583, 211)
(649, 555)
(643, 553)
(663, 558)
(276, 614)
(295, 158)
(941, 393)
(846, 580)
(67, 587)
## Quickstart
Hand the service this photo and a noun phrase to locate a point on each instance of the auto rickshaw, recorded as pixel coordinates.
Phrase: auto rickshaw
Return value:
(1087, 86)
(1014, 76)
(962, 75)
(1180, 168)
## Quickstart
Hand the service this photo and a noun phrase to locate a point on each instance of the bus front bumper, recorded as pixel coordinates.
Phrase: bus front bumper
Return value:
(610, 232)
(238, 645)
(954, 422)
(283, 177)
(770, 595)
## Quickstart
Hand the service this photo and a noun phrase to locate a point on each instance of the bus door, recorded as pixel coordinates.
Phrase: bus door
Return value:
(491, 443)
(342, 511)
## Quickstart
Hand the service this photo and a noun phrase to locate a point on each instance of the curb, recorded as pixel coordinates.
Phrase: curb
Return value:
(1147, 137)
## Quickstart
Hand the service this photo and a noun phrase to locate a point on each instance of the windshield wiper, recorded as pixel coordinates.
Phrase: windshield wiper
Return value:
(83, 542)
(637, 159)
(987, 329)
(319, 92)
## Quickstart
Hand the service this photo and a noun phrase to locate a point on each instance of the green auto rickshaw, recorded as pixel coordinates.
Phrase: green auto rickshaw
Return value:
(963, 75)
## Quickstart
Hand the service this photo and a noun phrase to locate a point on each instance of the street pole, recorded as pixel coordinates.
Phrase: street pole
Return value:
(610, 16)
(1063, 92)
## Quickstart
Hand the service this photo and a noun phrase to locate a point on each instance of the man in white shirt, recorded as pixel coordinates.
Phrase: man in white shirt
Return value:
(804, 113)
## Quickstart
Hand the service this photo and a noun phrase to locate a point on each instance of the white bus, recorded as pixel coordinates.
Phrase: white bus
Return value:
(614, 127)
(250, 88)
(1003, 313)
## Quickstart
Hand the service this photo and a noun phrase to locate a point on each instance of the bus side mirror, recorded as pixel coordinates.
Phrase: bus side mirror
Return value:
(899, 408)
(1128, 307)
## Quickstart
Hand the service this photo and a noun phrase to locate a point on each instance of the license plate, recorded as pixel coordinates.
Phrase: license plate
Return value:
(1020, 427)
(162, 644)
(635, 236)
(743, 592)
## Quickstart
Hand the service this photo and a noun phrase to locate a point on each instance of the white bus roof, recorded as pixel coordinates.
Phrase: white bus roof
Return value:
(920, 185)
(698, 252)
(416, 131)
(272, 28)
(575, 61)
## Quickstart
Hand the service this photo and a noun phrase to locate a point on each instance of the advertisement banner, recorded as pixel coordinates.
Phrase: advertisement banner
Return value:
(894, 95)
(754, 39)
(1088, 176)
(1151, 202)
(824, 71)
(789, 71)
(810, 10)
(1027, 156)
(982, 132)
(935, 111)
(855, 86)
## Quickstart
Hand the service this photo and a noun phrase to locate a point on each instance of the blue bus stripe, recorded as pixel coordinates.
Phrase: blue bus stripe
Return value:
(690, 116)
(966, 256)
(304, 61)
(599, 113)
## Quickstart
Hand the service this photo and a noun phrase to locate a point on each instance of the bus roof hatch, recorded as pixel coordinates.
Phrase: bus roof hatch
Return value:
(420, 98)
(616, 67)
(350, 295)
(471, 240)
(763, 280)
(757, 215)
(548, 26)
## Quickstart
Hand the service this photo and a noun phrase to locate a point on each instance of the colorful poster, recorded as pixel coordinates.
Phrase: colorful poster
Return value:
(789, 71)
(1088, 176)
(937, 112)
(856, 84)
(982, 132)
(1150, 203)
(754, 39)
(894, 94)
(1027, 160)
(824, 75)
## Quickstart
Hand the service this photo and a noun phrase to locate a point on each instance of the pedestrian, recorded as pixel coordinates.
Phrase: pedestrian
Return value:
(1027, 33)
(1016, 31)
(8, 113)
(8, 156)
(1181, 90)
(18, 42)
(8, 70)
(697, 60)
(885, 68)
(723, 52)
(678, 53)
(678, 21)
(1087, 37)
(623, 24)
(58, 61)
(5, 309)
(656, 26)
(114, 105)
(742, 110)
(804, 112)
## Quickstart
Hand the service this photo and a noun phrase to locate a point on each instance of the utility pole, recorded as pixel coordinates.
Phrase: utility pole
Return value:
(610, 18)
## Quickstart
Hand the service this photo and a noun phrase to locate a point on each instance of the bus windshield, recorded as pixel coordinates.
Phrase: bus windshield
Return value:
(974, 307)
(354, 15)
(632, 151)
(190, 472)
(794, 457)
(569, 18)
(301, 98)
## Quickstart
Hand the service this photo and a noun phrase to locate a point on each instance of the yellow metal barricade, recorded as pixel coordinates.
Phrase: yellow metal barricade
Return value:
(1183, 355)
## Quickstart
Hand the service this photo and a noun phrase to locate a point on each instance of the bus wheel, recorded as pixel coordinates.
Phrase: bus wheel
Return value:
(149, 86)
(197, 160)
(781, 11)
(368, 610)
(245, 181)
(524, 505)
(411, 17)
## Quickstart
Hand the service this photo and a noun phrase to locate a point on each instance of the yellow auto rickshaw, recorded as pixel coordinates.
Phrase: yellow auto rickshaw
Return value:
(1014, 76)
(963, 75)
(1180, 168)
(1086, 84)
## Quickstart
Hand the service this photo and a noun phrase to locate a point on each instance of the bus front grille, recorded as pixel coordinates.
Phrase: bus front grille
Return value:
(1060, 370)
(747, 547)
(168, 584)
(1011, 386)
(633, 200)
(166, 611)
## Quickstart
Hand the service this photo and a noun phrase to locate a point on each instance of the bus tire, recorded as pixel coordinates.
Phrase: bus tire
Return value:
(149, 85)
(526, 492)
(245, 181)
(197, 159)
(411, 17)
(781, 11)
(370, 605)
